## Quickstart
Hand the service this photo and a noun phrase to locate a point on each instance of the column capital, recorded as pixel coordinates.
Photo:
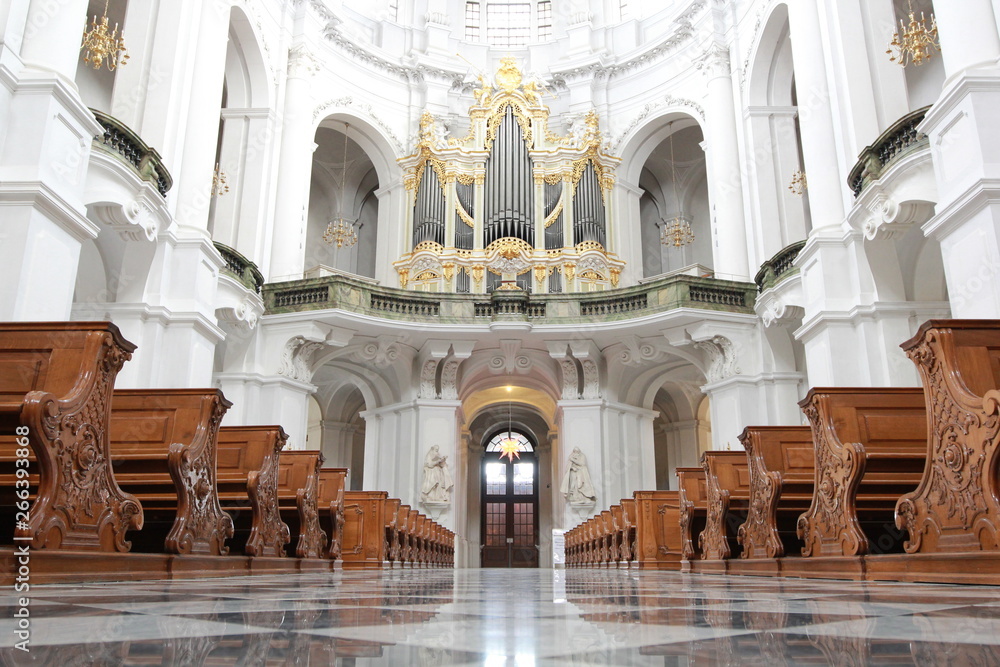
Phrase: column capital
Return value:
(714, 63)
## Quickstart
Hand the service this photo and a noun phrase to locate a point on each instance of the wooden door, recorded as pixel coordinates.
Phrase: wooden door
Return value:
(509, 515)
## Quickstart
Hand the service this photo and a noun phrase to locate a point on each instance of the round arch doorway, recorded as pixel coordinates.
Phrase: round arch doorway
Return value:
(509, 507)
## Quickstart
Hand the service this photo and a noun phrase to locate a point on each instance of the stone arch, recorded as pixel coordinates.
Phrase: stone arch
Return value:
(774, 140)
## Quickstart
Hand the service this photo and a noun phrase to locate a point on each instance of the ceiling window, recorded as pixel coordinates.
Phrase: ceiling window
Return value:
(544, 20)
(472, 21)
(508, 23)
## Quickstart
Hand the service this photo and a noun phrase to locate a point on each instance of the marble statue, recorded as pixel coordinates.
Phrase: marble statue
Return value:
(437, 479)
(576, 485)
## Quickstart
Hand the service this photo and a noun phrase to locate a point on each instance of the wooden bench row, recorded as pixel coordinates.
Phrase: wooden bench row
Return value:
(642, 531)
(382, 532)
(886, 483)
(87, 469)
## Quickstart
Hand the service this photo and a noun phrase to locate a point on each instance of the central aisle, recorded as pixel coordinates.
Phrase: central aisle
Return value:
(508, 617)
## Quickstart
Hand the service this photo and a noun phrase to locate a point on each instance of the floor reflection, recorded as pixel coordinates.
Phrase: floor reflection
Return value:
(506, 618)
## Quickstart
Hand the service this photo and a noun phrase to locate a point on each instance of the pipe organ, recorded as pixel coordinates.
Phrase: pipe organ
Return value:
(511, 205)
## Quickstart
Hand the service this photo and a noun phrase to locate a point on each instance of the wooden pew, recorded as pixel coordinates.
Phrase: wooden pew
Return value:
(630, 520)
(400, 546)
(298, 502)
(56, 380)
(956, 507)
(247, 482)
(330, 501)
(782, 476)
(621, 534)
(658, 529)
(364, 529)
(163, 449)
(727, 483)
(871, 448)
(609, 548)
(693, 498)
(391, 531)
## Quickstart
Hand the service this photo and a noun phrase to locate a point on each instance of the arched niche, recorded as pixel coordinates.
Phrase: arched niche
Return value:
(674, 184)
(774, 141)
(245, 152)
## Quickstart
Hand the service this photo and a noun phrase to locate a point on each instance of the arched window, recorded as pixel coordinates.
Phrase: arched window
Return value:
(523, 444)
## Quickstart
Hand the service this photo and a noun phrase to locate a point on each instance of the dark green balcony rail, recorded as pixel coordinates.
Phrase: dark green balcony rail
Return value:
(779, 267)
(120, 139)
(241, 268)
(899, 140)
(358, 296)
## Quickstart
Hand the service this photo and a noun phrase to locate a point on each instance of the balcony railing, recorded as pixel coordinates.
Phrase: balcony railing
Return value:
(900, 139)
(241, 268)
(357, 296)
(121, 140)
(779, 267)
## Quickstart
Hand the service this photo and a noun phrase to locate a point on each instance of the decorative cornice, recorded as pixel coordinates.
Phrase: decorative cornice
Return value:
(667, 101)
(368, 110)
(683, 31)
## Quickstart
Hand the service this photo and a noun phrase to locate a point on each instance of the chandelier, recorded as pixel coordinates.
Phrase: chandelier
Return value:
(340, 230)
(102, 47)
(914, 42)
(798, 185)
(676, 231)
(220, 184)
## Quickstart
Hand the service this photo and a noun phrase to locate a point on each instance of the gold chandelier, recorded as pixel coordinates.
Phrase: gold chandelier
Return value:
(340, 230)
(676, 231)
(102, 47)
(220, 184)
(914, 42)
(798, 186)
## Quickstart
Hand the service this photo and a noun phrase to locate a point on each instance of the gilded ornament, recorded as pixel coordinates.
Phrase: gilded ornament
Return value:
(509, 75)
(463, 214)
(615, 276)
(429, 246)
(448, 269)
(478, 271)
(509, 247)
(569, 270)
(541, 273)
(404, 277)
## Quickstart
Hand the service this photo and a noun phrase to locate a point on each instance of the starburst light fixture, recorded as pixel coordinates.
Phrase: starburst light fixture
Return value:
(509, 447)
(101, 47)
(340, 230)
(914, 43)
(676, 231)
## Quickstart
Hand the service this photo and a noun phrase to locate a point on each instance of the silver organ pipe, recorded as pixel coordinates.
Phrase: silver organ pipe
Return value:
(554, 232)
(509, 185)
(429, 211)
(464, 235)
(588, 209)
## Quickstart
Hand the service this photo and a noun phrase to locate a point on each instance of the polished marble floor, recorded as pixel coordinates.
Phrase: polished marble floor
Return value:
(498, 618)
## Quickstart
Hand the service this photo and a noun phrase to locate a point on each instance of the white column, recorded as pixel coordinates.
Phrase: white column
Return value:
(827, 176)
(968, 34)
(193, 172)
(52, 35)
(338, 443)
(963, 136)
(294, 169)
(44, 154)
(725, 183)
(392, 200)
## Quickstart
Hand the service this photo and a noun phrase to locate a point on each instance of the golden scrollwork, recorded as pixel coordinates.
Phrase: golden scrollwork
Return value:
(448, 270)
(509, 247)
(509, 75)
(477, 273)
(404, 277)
(569, 270)
(584, 246)
(556, 212)
(427, 275)
(463, 215)
(616, 274)
(541, 273)
(429, 246)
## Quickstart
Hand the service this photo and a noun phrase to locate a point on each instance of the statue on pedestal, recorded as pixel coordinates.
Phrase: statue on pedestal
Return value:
(438, 483)
(576, 485)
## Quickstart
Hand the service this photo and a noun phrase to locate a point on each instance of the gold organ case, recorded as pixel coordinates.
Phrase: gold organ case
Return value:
(511, 205)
